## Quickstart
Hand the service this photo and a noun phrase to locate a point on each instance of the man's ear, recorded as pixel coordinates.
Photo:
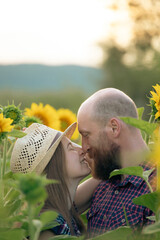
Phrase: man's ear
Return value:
(115, 126)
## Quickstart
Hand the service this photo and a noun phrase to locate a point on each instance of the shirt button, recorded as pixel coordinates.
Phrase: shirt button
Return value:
(104, 217)
(123, 220)
(116, 192)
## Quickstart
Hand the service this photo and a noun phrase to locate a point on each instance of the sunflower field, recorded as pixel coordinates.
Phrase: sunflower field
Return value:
(22, 195)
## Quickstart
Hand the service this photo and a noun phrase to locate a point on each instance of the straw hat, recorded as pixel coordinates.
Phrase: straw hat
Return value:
(34, 151)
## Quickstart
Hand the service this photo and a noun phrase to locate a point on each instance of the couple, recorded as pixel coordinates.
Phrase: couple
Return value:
(107, 144)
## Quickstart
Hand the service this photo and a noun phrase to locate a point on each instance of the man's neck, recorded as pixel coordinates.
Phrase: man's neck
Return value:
(134, 158)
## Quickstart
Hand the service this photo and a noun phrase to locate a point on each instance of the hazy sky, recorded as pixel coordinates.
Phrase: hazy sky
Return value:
(53, 31)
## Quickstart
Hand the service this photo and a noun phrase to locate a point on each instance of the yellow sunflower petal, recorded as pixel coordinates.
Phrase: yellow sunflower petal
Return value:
(47, 114)
(157, 88)
(155, 97)
(157, 115)
(67, 117)
(5, 124)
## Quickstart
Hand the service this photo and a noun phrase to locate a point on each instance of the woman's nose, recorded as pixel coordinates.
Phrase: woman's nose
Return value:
(80, 150)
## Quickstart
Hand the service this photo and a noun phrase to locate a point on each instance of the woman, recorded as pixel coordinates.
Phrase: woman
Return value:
(48, 151)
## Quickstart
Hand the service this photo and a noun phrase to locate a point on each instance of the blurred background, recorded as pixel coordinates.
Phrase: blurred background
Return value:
(61, 51)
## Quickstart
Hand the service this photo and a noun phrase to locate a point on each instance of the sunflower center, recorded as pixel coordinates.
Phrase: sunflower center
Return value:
(42, 118)
(64, 124)
(12, 115)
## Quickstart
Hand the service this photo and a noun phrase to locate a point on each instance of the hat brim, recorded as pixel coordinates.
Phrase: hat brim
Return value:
(43, 163)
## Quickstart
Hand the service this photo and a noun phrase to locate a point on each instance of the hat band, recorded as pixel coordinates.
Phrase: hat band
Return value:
(55, 139)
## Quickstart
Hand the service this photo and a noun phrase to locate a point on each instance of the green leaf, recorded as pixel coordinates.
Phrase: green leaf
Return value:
(149, 200)
(152, 218)
(48, 217)
(121, 233)
(11, 196)
(136, 171)
(17, 234)
(145, 126)
(140, 112)
(37, 209)
(147, 173)
(14, 206)
(84, 218)
(8, 175)
(67, 237)
(16, 133)
(33, 186)
(153, 228)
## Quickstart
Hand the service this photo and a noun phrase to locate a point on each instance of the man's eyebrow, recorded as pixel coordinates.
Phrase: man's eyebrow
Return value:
(84, 132)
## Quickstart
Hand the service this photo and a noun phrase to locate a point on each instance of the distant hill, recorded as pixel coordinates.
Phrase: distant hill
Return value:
(41, 77)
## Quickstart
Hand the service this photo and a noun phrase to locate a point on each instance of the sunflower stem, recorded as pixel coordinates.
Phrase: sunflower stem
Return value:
(4, 157)
(30, 215)
(10, 149)
(151, 120)
(158, 165)
(0, 164)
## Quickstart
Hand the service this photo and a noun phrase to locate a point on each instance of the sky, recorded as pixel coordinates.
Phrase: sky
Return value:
(53, 32)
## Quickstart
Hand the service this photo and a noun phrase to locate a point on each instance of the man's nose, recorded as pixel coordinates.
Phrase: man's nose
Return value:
(85, 146)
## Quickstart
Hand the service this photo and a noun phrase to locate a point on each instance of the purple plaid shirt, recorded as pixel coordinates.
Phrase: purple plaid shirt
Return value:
(106, 212)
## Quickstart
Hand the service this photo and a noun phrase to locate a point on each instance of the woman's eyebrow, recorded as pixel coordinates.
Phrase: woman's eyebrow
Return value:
(69, 144)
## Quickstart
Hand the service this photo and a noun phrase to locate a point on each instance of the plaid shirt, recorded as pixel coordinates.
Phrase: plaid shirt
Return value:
(106, 212)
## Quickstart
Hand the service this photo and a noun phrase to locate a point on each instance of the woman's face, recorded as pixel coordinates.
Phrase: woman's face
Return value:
(76, 165)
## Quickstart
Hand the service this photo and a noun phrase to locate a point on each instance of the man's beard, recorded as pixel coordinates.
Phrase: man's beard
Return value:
(105, 161)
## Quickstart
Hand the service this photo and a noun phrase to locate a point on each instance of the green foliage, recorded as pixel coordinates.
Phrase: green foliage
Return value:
(32, 186)
(16, 133)
(136, 81)
(47, 219)
(145, 126)
(150, 200)
(122, 233)
(68, 98)
(153, 228)
(8, 234)
(21, 200)
(135, 171)
(22, 197)
(140, 112)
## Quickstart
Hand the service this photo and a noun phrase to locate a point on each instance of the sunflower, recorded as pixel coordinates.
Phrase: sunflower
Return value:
(47, 114)
(13, 112)
(5, 125)
(155, 101)
(67, 117)
(29, 120)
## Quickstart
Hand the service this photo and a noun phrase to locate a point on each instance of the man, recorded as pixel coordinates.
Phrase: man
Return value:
(113, 145)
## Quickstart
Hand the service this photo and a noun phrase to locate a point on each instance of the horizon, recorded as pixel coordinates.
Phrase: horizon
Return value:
(58, 32)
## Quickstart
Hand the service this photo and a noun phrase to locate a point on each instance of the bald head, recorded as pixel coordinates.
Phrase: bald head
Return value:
(107, 103)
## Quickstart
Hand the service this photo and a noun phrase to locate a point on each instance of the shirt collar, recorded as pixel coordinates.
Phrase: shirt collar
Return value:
(135, 180)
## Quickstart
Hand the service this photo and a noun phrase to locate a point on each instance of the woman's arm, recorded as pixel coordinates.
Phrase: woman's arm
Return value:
(84, 194)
